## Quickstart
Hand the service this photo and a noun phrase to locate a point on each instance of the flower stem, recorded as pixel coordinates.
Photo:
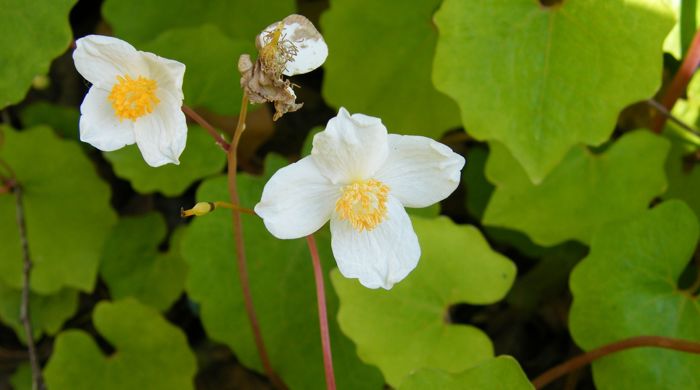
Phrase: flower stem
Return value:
(37, 377)
(663, 111)
(322, 313)
(680, 82)
(207, 126)
(240, 248)
(635, 342)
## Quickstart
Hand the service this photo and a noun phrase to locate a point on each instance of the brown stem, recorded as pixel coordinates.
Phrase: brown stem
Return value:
(322, 313)
(240, 248)
(207, 126)
(635, 342)
(666, 113)
(24, 316)
(680, 82)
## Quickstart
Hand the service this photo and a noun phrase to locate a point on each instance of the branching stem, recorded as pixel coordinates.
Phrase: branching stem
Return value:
(240, 248)
(207, 126)
(680, 82)
(635, 342)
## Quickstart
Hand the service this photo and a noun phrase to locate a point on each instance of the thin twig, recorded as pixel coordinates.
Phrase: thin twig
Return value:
(322, 313)
(663, 111)
(207, 126)
(24, 316)
(680, 82)
(635, 342)
(240, 248)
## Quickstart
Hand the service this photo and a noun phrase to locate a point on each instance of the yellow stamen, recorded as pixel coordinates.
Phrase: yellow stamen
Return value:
(363, 204)
(133, 98)
(277, 51)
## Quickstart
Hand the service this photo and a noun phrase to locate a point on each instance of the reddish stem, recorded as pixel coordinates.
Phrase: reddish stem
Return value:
(322, 313)
(207, 126)
(680, 82)
(634, 342)
(24, 310)
(240, 249)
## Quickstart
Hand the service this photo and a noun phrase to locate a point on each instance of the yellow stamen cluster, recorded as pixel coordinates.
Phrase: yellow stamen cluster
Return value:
(133, 98)
(277, 51)
(363, 204)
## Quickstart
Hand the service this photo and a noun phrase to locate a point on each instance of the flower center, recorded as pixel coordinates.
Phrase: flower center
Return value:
(363, 204)
(133, 98)
(277, 51)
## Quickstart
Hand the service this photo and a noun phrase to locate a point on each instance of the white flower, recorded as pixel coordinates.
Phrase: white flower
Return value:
(136, 97)
(361, 178)
(293, 44)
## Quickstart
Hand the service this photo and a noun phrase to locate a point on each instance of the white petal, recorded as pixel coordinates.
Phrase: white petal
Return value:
(351, 147)
(312, 50)
(297, 200)
(162, 134)
(167, 73)
(420, 171)
(99, 126)
(100, 59)
(380, 257)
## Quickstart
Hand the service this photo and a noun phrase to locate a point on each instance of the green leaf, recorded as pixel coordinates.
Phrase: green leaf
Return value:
(380, 64)
(543, 79)
(586, 191)
(63, 119)
(407, 328)
(47, 312)
(150, 353)
(201, 158)
(687, 15)
(627, 286)
(132, 266)
(501, 373)
(682, 168)
(212, 78)
(282, 287)
(32, 33)
(139, 21)
(67, 212)
(22, 378)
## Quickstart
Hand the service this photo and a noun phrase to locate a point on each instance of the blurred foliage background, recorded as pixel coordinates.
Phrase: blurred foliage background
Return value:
(546, 99)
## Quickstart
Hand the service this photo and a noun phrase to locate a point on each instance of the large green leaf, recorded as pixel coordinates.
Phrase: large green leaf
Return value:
(683, 168)
(627, 286)
(47, 312)
(67, 212)
(501, 373)
(63, 119)
(132, 266)
(283, 290)
(140, 21)
(212, 78)
(542, 79)
(150, 353)
(201, 158)
(408, 328)
(586, 191)
(381, 61)
(32, 33)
